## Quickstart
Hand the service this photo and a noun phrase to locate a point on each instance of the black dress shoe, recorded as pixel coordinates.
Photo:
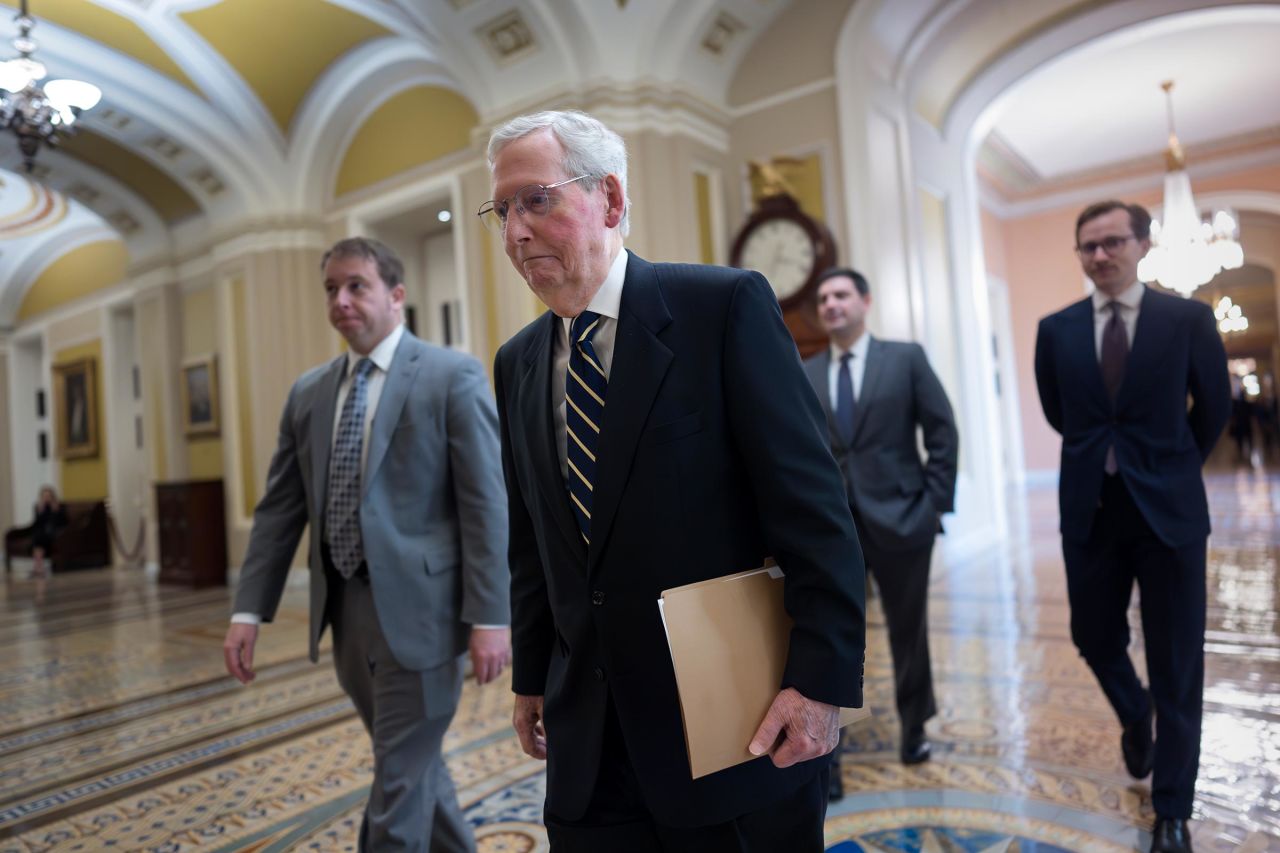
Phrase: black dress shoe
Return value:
(1170, 836)
(915, 747)
(1138, 747)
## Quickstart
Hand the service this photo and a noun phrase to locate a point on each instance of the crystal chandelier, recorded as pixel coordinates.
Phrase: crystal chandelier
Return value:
(1230, 317)
(1185, 251)
(38, 114)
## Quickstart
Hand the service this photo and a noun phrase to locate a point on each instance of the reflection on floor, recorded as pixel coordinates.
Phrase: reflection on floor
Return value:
(120, 731)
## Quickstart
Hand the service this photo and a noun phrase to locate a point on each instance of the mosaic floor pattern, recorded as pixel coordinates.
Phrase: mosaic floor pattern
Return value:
(121, 731)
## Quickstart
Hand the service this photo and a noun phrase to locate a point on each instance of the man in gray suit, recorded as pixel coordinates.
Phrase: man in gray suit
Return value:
(390, 453)
(876, 394)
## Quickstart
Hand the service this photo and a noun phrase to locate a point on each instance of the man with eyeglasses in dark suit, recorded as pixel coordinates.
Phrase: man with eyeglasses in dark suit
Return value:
(657, 430)
(1115, 372)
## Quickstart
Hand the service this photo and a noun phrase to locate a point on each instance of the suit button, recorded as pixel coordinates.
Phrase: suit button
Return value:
(598, 672)
(597, 598)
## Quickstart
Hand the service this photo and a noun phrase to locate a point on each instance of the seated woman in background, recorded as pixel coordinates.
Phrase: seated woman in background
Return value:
(51, 517)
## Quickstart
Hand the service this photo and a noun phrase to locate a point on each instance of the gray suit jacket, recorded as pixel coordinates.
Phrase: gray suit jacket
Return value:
(898, 497)
(433, 511)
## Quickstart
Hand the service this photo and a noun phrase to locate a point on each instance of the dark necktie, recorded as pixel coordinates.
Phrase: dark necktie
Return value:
(584, 392)
(1115, 351)
(342, 515)
(845, 404)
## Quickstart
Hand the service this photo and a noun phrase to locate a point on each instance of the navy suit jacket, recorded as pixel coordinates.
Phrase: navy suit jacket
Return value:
(712, 456)
(1160, 441)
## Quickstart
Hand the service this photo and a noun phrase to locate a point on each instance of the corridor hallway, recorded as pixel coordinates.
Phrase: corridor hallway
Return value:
(120, 730)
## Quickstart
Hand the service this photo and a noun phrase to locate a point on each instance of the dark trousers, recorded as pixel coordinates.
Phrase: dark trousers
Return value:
(1101, 572)
(618, 821)
(902, 576)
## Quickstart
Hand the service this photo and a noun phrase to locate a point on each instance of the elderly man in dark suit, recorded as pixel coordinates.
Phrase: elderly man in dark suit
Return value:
(1116, 371)
(878, 396)
(656, 430)
(390, 453)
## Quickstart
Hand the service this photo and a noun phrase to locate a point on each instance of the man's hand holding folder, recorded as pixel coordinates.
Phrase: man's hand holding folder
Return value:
(729, 638)
(796, 729)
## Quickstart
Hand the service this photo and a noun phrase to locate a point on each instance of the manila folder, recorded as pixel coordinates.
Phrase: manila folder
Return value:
(729, 639)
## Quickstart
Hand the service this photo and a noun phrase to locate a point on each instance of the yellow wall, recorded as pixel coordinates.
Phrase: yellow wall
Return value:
(75, 275)
(200, 338)
(412, 128)
(85, 479)
(702, 199)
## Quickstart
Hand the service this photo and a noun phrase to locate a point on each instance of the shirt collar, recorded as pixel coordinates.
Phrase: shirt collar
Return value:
(608, 299)
(859, 348)
(382, 353)
(1130, 297)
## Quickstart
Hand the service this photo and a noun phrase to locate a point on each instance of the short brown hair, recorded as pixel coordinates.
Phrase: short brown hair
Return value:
(390, 269)
(1139, 218)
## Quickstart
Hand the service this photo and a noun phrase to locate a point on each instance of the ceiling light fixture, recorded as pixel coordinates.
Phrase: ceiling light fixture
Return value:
(38, 114)
(1230, 316)
(1185, 251)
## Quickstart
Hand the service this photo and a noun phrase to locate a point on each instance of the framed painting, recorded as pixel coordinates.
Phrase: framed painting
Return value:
(76, 401)
(200, 410)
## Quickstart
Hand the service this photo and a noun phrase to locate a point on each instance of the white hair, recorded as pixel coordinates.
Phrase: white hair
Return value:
(590, 148)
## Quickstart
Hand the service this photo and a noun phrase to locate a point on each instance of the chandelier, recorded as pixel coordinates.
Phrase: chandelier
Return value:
(38, 114)
(1187, 252)
(1230, 317)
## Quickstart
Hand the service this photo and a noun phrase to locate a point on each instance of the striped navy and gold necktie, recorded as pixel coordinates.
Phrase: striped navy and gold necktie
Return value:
(584, 392)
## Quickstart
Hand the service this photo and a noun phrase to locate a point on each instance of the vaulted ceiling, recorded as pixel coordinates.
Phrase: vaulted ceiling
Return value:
(242, 114)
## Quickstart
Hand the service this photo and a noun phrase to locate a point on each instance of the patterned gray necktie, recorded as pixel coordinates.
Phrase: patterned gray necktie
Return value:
(342, 515)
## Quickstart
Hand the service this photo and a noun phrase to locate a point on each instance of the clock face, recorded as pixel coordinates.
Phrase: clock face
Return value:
(782, 250)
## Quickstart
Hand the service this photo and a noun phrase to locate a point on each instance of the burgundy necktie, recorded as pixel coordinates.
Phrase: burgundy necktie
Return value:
(1115, 350)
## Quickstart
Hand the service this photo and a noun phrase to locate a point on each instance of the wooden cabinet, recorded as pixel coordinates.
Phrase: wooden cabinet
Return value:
(193, 533)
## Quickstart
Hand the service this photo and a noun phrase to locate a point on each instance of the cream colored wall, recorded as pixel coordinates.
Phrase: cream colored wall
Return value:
(803, 125)
(284, 332)
(6, 449)
(797, 49)
(993, 245)
(1044, 276)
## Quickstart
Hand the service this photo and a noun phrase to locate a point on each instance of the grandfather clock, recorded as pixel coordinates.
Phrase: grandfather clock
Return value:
(790, 249)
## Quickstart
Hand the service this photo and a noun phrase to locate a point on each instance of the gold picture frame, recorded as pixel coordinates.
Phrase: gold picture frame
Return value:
(75, 385)
(201, 413)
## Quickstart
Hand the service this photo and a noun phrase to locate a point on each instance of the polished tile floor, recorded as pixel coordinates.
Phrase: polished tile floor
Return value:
(119, 730)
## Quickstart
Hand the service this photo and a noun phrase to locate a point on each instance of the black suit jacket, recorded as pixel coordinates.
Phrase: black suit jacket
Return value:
(710, 459)
(898, 497)
(1160, 442)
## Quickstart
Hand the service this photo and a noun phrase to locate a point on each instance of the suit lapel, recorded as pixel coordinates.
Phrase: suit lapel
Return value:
(400, 379)
(1081, 346)
(870, 378)
(322, 414)
(1148, 345)
(640, 362)
(533, 402)
(819, 370)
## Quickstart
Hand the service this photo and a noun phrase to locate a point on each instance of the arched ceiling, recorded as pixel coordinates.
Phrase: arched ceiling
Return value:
(1097, 110)
(220, 115)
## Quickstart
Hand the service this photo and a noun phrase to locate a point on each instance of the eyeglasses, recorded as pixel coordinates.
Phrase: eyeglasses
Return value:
(535, 198)
(1110, 245)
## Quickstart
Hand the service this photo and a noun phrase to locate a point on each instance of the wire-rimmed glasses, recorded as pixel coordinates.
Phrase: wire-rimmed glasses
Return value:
(533, 199)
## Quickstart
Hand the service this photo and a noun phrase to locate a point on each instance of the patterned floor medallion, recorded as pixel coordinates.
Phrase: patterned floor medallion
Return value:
(121, 731)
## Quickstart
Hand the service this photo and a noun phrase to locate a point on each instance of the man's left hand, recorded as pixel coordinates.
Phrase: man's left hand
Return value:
(796, 729)
(490, 651)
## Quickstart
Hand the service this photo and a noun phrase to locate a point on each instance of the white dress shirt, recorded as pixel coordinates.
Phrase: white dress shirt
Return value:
(606, 303)
(1130, 300)
(857, 368)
